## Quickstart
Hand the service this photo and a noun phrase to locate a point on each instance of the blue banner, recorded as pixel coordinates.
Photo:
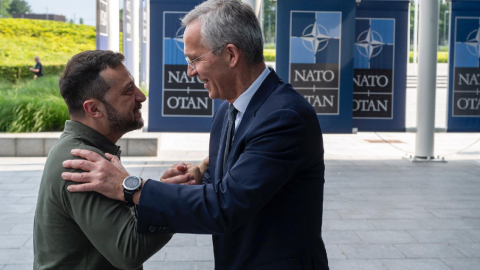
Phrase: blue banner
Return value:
(177, 103)
(380, 65)
(102, 25)
(314, 54)
(464, 68)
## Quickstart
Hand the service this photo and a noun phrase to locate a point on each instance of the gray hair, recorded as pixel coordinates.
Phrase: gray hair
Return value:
(228, 21)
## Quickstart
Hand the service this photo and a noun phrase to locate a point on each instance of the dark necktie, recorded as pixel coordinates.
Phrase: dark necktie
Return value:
(232, 113)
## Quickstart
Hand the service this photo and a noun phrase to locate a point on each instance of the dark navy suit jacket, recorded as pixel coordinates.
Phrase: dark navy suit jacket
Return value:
(265, 211)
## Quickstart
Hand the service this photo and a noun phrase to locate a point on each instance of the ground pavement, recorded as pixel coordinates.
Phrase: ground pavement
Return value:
(380, 211)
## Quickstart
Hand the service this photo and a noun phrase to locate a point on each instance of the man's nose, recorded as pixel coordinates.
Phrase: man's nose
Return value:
(140, 96)
(190, 71)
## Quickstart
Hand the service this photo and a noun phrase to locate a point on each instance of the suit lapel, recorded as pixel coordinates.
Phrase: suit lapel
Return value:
(221, 148)
(263, 92)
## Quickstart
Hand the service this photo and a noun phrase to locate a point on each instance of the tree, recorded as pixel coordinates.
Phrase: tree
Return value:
(442, 25)
(269, 18)
(19, 6)
(80, 21)
(4, 6)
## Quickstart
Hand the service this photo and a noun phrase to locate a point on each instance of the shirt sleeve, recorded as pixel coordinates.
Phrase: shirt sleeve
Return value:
(111, 228)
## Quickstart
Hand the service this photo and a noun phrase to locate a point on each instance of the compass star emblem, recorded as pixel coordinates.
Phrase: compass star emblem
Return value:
(179, 38)
(369, 43)
(315, 38)
(473, 43)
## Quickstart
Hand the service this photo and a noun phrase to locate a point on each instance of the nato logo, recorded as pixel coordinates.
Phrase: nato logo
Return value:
(466, 86)
(173, 39)
(374, 45)
(373, 73)
(182, 95)
(315, 58)
(315, 37)
(467, 42)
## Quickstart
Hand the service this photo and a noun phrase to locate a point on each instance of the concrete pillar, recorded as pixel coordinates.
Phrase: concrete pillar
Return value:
(113, 26)
(136, 40)
(427, 74)
(256, 5)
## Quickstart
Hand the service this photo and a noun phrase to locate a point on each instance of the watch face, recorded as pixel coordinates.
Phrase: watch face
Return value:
(132, 182)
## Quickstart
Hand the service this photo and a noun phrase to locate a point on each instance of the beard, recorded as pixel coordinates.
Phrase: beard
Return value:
(123, 124)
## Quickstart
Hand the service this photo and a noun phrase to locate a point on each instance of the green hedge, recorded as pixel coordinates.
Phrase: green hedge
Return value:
(32, 106)
(442, 57)
(54, 42)
(18, 73)
(269, 54)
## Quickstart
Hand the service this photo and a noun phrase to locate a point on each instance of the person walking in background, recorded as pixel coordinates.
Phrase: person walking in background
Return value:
(38, 69)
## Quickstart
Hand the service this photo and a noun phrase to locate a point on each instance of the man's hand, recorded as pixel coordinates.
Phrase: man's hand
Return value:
(185, 173)
(103, 176)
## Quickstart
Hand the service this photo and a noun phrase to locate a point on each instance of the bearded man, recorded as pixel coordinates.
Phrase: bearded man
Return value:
(88, 230)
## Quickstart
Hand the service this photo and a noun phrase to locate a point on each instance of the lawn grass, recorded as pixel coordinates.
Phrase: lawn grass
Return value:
(32, 106)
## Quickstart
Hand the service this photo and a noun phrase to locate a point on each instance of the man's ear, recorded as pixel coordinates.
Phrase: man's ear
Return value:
(233, 54)
(93, 108)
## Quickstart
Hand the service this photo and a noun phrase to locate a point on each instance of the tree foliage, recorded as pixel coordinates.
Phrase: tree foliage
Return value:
(269, 19)
(442, 25)
(19, 7)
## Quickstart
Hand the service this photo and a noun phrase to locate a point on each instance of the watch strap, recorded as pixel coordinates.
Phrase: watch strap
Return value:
(129, 197)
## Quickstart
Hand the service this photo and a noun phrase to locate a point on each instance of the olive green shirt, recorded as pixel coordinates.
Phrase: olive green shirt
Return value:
(85, 230)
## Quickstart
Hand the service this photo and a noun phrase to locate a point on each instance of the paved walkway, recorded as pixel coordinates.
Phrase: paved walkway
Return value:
(380, 211)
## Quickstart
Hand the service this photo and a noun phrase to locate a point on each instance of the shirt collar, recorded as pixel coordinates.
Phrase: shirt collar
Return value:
(88, 133)
(242, 101)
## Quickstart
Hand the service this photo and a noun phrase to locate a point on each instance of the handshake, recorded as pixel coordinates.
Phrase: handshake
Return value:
(185, 173)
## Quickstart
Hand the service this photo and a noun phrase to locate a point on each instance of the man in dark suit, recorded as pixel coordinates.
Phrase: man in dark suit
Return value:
(262, 195)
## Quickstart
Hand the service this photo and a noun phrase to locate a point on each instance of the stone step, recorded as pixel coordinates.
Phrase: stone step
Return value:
(39, 144)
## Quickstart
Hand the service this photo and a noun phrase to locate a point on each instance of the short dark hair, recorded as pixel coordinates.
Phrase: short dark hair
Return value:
(81, 78)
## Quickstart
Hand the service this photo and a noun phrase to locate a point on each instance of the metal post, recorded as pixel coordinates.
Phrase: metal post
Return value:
(113, 25)
(136, 40)
(427, 73)
(251, 3)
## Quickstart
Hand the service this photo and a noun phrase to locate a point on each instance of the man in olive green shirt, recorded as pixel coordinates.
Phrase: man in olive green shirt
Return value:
(88, 230)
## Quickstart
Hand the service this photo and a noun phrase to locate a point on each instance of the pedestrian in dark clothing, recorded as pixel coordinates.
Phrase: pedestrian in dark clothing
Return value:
(38, 69)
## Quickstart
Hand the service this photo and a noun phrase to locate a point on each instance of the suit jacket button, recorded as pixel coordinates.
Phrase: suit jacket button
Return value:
(166, 229)
(152, 229)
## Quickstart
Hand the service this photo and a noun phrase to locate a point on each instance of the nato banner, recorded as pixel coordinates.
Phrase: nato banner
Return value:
(102, 25)
(464, 64)
(177, 103)
(314, 53)
(380, 65)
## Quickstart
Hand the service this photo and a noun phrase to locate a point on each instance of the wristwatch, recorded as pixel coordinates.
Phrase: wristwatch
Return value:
(131, 184)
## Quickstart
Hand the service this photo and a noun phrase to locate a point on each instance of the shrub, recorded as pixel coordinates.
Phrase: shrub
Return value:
(32, 106)
(54, 42)
(269, 54)
(442, 57)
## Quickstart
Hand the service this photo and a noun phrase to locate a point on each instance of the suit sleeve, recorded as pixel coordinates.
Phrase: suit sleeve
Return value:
(274, 149)
(111, 228)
